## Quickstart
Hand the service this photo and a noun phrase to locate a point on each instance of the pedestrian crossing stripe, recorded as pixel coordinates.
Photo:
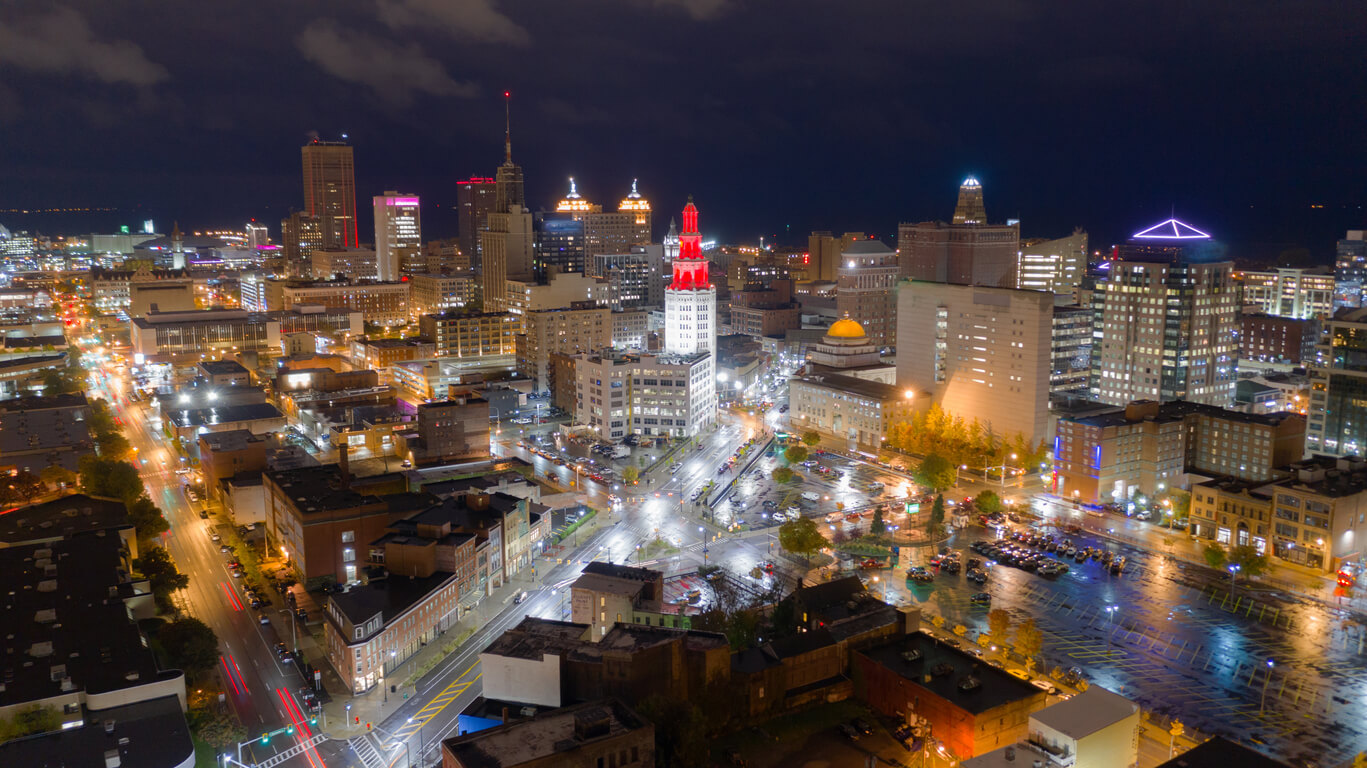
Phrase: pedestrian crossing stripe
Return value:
(437, 704)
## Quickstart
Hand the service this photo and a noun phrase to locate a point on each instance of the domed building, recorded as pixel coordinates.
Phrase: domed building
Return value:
(847, 349)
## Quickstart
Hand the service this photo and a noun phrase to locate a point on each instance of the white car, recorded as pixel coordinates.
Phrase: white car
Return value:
(779, 517)
(811, 496)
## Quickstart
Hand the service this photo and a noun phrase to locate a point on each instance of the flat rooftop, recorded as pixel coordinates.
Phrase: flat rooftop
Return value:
(541, 737)
(1220, 752)
(67, 627)
(1087, 712)
(319, 488)
(389, 597)
(147, 734)
(62, 518)
(918, 656)
(228, 414)
(220, 367)
(533, 638)
(875, 390)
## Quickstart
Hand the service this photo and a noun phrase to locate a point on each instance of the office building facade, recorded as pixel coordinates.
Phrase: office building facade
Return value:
(980, 353)
(866, 289)
(1057, 266)
(330, 191)
(398, 235)
(1295, 293)
(1338, 387)
(470, 334)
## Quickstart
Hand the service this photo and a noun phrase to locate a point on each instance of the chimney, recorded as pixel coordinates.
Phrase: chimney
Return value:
(344, 465)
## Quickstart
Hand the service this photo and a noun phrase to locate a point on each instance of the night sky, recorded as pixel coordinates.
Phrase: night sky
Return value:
(779, 117)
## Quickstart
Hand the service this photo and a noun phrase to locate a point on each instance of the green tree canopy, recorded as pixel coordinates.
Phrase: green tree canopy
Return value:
(1249, 561)
(811, 437)
(102, 476)
(879, 526)
(113, 445)
(190, 645)
(936, 520)
(147, 519)
(630, 475)
(795, 454)
(161, 571)
(29, 720)
(1215, 555)
(988, 502)
(57, 474)
(801, 537)
(782, 475)
(935, 472)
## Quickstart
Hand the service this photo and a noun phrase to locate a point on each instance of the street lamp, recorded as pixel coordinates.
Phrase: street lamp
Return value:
(1263, 706)
(1110, 621)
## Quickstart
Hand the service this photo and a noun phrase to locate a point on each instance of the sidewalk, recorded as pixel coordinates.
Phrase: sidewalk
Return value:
(377, 704)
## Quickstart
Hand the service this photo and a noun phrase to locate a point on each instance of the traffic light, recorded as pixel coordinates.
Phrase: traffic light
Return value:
(265, 738)
(289, 729)
(313, 720)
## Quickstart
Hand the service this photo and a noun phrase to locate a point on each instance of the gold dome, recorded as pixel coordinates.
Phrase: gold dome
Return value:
(846, 329)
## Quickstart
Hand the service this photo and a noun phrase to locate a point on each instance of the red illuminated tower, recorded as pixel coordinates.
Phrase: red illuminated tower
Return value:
(690, 268)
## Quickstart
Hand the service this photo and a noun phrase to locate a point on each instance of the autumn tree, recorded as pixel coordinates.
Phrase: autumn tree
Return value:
(801, 537)
(631, 475)
(795, 454)
(935, 472)
(811, 437)
(998, 626)
(1029, 641)
(782, 475)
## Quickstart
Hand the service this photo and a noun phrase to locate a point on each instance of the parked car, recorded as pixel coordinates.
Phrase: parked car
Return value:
(849, 732)
(980, 599)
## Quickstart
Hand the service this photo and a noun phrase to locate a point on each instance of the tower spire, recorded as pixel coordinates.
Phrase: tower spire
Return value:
(507, 128)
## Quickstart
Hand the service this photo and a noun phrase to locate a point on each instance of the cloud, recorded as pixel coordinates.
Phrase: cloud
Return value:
(61, 42)
(470, 20)
(393, 71)
(699, 10)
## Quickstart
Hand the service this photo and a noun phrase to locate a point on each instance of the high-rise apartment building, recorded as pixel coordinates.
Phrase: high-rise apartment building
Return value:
(475, 197)
(980, 353)
(1350, 268)
(301, 235)
(967, 252)
(1056, 266)
(330, 191)
(398, 236)
(866, 289)
(634, 278)
(1338, 387)
(1169, 320)
(1298, 293)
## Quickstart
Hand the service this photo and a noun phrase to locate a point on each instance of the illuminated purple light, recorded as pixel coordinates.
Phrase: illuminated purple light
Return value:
(1172, 229)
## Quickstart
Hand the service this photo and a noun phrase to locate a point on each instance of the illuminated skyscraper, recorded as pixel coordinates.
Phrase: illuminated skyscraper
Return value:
(507, 246)
(476, 197)
(970, 209)
(257, 235)
(330, 191)
(968, 251)
(301, 235)
(1169, 320)
(690, 299)
(398, 235)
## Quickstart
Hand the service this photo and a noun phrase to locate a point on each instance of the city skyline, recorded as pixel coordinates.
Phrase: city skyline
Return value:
(1108, 134)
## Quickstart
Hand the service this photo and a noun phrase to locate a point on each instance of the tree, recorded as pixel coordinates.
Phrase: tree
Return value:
(102, 476)
(56, 474)
(1215, 555)
(936, 521)
(60, 381)
(782, 475)
(631, 475)
(1029, 641)
(998, 625)
(113, 445)
(147, 519)
(795, 454)
(101, 420)
(1249, 561)
(801, 537)
(34, 718)
(190, 645)
(811, 437)
(21, 487)
(879, 526)
(988, 502)
(161, 572)
(935, 472)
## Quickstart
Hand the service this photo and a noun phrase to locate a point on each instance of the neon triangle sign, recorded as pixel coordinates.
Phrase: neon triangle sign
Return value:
(1172, 229)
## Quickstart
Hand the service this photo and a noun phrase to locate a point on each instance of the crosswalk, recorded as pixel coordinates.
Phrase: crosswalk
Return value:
(365, 749)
